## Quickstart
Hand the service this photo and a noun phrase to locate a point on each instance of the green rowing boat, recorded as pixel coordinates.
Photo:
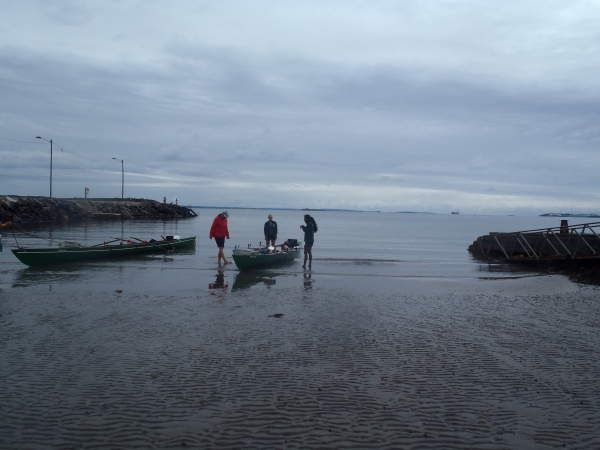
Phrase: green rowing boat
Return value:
(252, 258)
(68, 252)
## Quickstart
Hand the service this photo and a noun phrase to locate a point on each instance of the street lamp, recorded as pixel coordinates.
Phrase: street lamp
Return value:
(122, 177)
(38, 137)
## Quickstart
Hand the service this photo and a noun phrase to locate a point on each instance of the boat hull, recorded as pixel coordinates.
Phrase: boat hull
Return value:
(253, 260)
(35, 257)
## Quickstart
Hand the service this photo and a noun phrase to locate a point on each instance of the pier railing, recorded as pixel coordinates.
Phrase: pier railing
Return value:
(566, 242)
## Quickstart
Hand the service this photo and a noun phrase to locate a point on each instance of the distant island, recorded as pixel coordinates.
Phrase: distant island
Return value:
(591, 215)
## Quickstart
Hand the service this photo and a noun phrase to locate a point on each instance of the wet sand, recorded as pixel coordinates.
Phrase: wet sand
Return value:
(354, 362)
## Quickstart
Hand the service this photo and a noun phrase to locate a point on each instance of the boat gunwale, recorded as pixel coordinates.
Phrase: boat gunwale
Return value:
(257, 260)
(104, 248)
(48, 256)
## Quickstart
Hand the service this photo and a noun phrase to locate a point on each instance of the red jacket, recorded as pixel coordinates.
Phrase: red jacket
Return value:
(219, 228)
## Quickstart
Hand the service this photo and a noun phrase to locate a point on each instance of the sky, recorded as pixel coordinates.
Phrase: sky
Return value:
(482, 107)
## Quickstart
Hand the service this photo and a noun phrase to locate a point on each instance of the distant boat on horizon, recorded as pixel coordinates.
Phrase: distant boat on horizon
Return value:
(454, 212)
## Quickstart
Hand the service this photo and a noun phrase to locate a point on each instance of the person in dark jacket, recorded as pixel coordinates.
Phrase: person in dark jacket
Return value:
(270, 231)
(220, 231)
(309, 238)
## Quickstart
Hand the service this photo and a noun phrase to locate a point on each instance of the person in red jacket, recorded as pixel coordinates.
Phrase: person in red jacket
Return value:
(219, 231)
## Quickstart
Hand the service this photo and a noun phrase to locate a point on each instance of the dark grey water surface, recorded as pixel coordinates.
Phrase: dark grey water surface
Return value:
(347, 245)
(396, 339)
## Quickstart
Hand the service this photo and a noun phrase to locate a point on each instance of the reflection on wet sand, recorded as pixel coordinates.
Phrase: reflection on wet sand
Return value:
(246, 279)
(219, 283)
(307, 281)
(84, 270)
(35, 276)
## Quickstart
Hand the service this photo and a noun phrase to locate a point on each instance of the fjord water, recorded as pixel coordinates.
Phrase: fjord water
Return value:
(397, 338)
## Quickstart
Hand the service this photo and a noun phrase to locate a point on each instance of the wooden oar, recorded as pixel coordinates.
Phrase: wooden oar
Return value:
(151, 243)
(119, 239)
(109, 242)
(13, 232)
(165, 239)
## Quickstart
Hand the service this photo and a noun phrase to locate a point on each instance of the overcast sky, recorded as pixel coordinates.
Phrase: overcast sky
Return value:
(486, 107)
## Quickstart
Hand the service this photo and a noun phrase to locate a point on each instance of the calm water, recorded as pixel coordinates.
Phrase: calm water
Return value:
(350, 248)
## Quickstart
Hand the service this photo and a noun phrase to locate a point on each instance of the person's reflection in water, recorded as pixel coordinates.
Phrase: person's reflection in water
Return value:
(307, 281)
(219, 283)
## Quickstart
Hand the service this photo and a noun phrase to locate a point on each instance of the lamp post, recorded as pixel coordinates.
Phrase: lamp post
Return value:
(38, 137)
(122, 177)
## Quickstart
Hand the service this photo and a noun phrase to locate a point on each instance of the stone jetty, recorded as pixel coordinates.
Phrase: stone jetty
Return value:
(24, 210)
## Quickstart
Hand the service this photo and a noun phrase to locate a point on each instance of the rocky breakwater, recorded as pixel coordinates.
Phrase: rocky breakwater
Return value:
(23, 210)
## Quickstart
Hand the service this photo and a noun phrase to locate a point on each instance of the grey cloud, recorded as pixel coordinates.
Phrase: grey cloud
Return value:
(201, 114)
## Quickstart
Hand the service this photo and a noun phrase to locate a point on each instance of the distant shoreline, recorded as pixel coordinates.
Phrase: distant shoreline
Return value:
(310, 209)
(590, 215)
(280, 209)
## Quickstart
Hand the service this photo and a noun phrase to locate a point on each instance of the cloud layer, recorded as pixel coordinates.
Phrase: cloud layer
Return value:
(429, 106)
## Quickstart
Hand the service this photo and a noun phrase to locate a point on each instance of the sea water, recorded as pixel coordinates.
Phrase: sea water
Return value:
(349, 246)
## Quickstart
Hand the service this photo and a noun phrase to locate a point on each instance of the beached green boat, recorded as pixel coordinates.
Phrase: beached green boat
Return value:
(252, 258)
(68, 252)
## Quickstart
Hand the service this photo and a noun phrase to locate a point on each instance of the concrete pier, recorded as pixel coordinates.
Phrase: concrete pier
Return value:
(23, 210)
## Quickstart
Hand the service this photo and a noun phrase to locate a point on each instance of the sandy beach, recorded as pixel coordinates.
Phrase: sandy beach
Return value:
(360, 362)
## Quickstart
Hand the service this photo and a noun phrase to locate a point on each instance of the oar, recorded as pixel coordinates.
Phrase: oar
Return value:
(119, 239)
(109, 242)
(165, 239)
(151, 243)
(13, 232)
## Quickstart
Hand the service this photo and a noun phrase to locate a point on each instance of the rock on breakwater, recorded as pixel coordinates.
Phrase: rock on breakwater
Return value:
(20, 209)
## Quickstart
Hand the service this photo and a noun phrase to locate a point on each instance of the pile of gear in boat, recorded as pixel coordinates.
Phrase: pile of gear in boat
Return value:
(288, 245)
